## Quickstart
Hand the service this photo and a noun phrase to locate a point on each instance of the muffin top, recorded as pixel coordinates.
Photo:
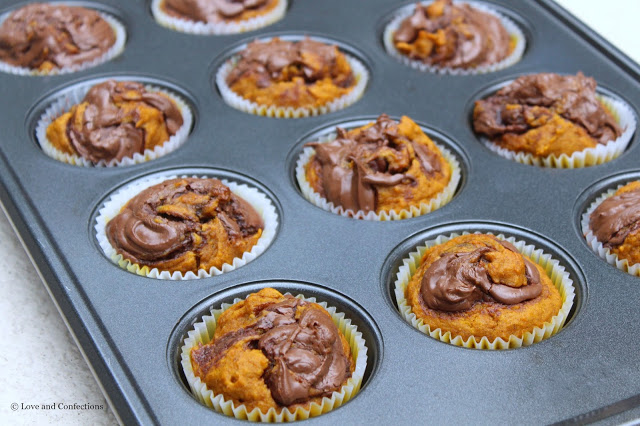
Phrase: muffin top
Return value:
(212, 11)
(185, 224)
(455, 36)
(291, 73)
(478, 285)
(44, 37)
(616, 222)
(546, 114)
(116, 119)
(384, 165)
(274, 351)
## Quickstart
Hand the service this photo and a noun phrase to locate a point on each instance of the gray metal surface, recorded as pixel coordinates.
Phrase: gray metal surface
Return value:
(129, 326)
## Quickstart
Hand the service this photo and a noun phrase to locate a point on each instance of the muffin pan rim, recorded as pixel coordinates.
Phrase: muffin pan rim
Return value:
(22, 196)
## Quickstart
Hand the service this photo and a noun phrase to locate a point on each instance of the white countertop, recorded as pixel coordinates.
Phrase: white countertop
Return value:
(40, 363)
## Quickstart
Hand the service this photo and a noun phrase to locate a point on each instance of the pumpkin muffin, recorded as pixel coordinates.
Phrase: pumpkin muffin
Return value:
(184, 224)
(615, 223)
(46, 37)
(115, 120)
(216, 11)
(291, 78)
(479, 286)
(545, 115)
(454, 36)
(380, 167)
(275, 352)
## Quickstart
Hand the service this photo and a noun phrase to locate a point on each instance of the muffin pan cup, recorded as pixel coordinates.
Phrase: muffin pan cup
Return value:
(130, 328)
(512, 28)
(115, 50)
(601, 153)
(221, 28)
(439, 200)
(555, 271)
(76, 95)
(258, 200)
(236, 101)
(202, 333)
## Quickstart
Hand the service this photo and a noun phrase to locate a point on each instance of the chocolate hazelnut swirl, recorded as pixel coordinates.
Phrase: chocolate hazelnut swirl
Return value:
(44, 36)
(456, 36)
(274, 351)
(116, 119)
(618, 217)
(185, 224)
(381, 166)
(212, 11)
(458, 279)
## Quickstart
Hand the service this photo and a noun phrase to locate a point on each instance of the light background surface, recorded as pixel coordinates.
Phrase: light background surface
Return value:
(39, 362)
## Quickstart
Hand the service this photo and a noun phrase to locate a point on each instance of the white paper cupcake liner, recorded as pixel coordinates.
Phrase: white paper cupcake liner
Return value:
(75, 97)
(202, 28)
(115, 50)
(597, 246)
(406, 11)
(259, 201)
(238, 102)
(203, 332)
(423, 208)
(559, 276)
(587, 157)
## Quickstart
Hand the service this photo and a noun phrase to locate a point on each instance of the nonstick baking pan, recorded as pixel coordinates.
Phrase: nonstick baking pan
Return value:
(130, 327)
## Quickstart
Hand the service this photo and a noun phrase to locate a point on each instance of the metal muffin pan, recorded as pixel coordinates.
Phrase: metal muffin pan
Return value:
(129, 327)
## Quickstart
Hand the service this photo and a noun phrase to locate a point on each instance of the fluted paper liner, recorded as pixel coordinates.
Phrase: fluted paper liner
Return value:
(587, 157)
(75, 97)
(423, 208)
(216, 28)
(554, 270)
(511, 27)
(238, 102)
(597, 246)
(115, 50)
(203, 332)
(259, 201)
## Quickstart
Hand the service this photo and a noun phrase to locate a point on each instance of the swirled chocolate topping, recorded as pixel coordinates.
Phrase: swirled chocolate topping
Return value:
(53, 36)
(166, 220)
(305, 351)
(457, 280)
(456, 36)
(355, 163)
(514, 108)
(280, 60)
(211, 11)
(107, 130)
(616, 217)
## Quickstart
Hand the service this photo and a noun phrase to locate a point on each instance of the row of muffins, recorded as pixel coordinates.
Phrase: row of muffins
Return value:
(542, 119)
(52, 38)
(237, 393)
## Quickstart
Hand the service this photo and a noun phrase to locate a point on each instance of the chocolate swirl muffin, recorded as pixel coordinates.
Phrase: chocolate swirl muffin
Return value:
(296, 74)
(274, 351)
(115, 120)
(546, 114)
(453, 36)
(45, 37)
(214, 11)
(382, 166)
(185, 224)
(616, 223)
(480, 286)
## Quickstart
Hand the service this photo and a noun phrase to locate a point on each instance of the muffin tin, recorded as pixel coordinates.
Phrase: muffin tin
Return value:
(130, 328)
